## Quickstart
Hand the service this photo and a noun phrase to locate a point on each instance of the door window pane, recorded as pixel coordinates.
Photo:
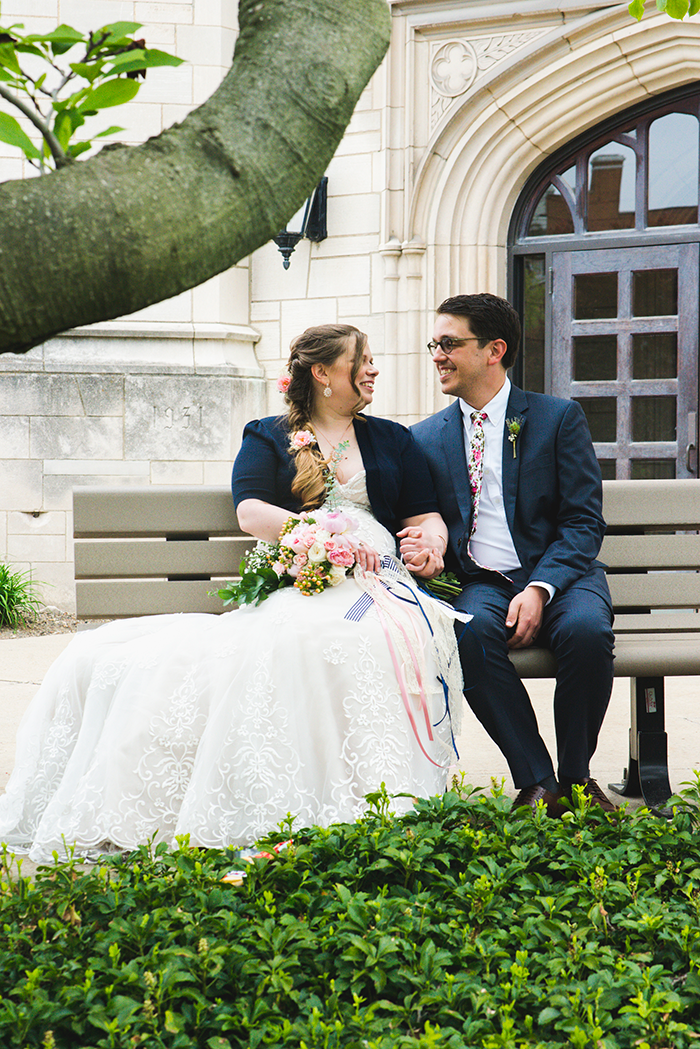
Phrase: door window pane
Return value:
(651, 469)
(595, 358)
(533, 322)
(551, 216)
(655, 356)
(673, 170)
(607, 469)
(655, 293)
(653, 418)
(611, 183)
(595, 295)
(601, 415)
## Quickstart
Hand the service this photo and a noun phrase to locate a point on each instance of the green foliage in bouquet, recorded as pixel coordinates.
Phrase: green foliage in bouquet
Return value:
(456, 926)
(445, 586)
(257, 578)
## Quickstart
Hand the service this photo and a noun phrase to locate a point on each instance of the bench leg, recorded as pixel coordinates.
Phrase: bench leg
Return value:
(647, 773)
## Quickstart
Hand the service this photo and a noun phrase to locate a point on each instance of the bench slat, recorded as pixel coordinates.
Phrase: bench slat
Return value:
(101, 559)
(154, 511)
(651, 551)
(651, 504)
(656, 590)
(636, 655)
(659, 622)
(117, 599)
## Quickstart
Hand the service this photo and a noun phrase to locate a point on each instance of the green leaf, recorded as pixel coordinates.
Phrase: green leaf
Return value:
(8, 58)
(60, 40)
(110, 93)
(114, 130)
(144, 59)
(119, 30)
(67, 122)
(78, 147)
(636, 9)
(12, 133)
(677, 8)
(88, 70)
(694, 8)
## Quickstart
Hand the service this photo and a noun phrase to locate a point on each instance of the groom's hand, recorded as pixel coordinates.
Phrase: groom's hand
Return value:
(420, 553)
(525, 616)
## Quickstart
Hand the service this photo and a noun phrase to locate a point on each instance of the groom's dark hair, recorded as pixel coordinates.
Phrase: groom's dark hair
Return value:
(490, 317)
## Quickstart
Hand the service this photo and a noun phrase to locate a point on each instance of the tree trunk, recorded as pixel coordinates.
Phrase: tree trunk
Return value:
(135, 225)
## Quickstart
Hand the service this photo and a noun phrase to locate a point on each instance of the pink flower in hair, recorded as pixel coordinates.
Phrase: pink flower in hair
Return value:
(283, 383)
(302, 439)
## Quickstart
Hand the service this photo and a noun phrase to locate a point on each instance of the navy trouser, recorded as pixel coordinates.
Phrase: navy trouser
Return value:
(577, 627)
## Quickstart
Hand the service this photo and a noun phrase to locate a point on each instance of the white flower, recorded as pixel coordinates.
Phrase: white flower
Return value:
(336, 575)
(317, 553)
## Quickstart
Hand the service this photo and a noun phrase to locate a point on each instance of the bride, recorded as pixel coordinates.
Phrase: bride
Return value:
(220, 726)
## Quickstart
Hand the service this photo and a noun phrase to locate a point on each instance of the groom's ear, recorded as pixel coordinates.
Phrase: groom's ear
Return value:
(498, 348)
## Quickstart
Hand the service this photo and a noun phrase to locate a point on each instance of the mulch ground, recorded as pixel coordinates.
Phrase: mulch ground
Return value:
(47, 621)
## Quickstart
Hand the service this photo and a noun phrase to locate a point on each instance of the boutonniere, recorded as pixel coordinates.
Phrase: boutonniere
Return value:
(514, 428)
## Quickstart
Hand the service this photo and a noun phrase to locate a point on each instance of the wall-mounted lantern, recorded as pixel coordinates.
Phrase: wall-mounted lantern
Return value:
(309, 222)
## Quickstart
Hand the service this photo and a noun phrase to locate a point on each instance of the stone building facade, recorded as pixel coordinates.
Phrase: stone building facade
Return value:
(431, 192)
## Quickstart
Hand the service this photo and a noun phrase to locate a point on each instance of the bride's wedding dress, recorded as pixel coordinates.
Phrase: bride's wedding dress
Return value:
(218, 726)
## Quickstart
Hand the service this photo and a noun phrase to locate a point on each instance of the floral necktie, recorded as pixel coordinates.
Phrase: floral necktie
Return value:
(476, 470)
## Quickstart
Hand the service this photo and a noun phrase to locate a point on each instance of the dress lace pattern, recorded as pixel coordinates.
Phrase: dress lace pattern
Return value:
(219, 726)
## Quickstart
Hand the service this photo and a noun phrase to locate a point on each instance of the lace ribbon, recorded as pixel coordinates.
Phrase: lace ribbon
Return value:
(378, 592)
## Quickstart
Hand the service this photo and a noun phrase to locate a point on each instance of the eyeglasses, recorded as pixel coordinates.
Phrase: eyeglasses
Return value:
(447, 345)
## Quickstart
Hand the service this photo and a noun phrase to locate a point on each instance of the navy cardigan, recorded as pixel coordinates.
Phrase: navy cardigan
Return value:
(399, 483)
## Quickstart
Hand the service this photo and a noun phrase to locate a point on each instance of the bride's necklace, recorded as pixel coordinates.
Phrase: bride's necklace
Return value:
(337, 452)
(333, 447)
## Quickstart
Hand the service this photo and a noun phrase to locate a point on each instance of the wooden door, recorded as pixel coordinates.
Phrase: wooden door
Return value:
(625, 344)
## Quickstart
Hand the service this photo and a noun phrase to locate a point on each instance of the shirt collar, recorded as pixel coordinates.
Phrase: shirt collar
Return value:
(495, 409)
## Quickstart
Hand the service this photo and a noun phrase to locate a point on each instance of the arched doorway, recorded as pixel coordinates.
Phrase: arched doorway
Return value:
(604, 251)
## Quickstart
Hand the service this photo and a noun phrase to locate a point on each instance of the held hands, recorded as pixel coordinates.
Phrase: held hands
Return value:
(421, 552)
(525, 614)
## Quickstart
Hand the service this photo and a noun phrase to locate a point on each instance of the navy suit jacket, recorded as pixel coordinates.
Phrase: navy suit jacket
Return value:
(552, 490)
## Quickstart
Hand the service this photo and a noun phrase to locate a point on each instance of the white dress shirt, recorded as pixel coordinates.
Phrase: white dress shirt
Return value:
(492, 544)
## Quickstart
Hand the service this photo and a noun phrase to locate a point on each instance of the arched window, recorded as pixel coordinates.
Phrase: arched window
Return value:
(604, 253)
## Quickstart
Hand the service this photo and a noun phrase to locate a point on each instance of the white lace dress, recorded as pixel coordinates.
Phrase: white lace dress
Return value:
(219, 726)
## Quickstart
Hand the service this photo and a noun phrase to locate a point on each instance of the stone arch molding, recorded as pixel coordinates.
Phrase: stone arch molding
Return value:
(499, 126)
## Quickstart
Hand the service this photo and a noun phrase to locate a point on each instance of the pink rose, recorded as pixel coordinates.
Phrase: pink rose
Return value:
(283, 383)
(345, 558)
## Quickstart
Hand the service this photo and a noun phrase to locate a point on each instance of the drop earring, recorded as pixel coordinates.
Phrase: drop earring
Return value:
(327, 391)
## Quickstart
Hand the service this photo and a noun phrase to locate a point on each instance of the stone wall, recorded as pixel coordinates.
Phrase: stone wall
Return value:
(71, 416)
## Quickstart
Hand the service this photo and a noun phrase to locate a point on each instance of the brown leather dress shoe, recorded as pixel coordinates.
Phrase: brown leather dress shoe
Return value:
(530, 796)
(592, 791)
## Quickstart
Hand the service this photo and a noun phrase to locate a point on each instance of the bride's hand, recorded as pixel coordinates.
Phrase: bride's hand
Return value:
(421, 552)
(367, 557)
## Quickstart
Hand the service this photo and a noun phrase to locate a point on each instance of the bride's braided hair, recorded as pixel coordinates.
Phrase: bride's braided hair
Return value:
(322, 344)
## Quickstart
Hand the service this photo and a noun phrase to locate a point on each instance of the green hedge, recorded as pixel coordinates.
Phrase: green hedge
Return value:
(457, 925)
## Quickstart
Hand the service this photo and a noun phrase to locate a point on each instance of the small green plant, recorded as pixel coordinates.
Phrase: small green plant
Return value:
(19, 600)
(58, 95)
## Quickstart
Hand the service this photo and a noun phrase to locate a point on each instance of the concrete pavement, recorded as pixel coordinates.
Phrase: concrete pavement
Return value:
(24, 661)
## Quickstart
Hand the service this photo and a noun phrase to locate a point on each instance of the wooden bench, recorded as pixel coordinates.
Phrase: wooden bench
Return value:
(142, 551)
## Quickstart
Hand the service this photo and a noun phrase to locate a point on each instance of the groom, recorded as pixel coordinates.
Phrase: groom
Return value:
(519, 488)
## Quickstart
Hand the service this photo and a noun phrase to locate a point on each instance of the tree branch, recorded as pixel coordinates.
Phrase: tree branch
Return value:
(52, 142)
(135, 225)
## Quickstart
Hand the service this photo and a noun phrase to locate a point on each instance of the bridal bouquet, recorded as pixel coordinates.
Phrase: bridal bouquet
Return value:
(313, 551)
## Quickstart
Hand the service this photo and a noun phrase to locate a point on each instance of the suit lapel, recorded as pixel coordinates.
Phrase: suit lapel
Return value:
(456, 459)
(517, 408)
